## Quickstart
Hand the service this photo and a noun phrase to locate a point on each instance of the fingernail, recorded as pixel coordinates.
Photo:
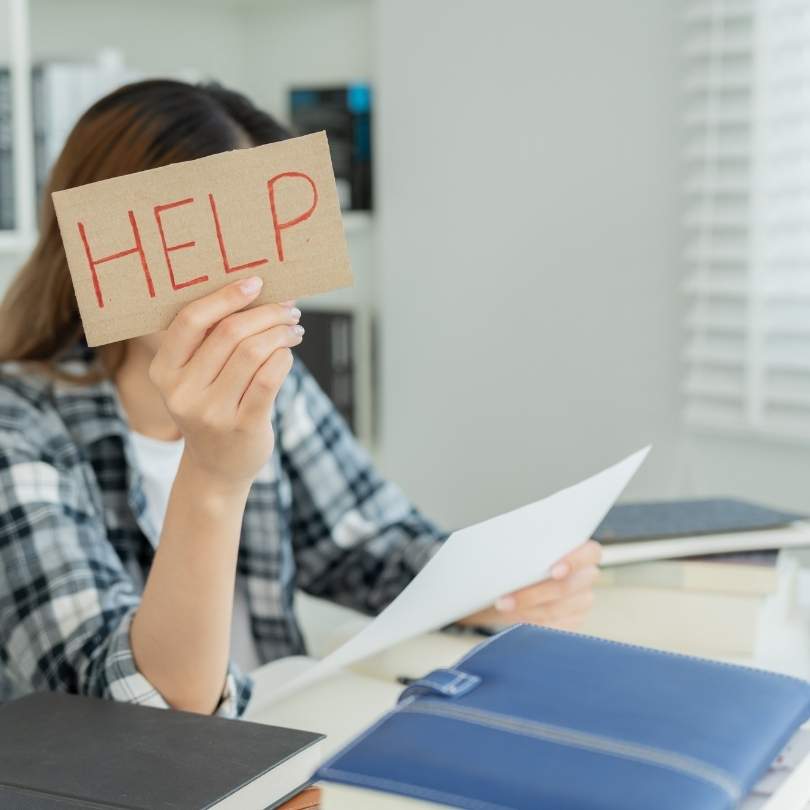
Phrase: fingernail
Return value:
(505, 604)
(297, 330)
(251, 285)
(295, 313)
(560, 571)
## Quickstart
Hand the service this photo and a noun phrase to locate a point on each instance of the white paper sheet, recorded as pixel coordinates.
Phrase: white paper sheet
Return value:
(477, 565)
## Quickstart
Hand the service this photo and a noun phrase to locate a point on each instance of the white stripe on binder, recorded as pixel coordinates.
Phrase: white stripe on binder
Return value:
(580, 739)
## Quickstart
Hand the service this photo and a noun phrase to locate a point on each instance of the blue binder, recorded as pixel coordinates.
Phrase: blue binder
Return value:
(537, 719)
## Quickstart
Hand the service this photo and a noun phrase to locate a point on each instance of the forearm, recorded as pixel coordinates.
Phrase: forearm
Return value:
(181, 633)
(218, 371)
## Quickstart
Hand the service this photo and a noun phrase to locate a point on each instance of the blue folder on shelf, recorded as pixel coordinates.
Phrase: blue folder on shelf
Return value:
(536, 718)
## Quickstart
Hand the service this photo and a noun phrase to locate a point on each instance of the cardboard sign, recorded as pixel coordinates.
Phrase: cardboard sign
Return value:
(139, 247)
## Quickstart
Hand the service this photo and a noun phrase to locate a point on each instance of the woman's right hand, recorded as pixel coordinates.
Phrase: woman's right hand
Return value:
(219, 368)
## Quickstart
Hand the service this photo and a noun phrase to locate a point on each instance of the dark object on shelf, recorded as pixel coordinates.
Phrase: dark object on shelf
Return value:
(39, 109)
(345, 114)
(7, 214)
(41, 162)
(328, 352)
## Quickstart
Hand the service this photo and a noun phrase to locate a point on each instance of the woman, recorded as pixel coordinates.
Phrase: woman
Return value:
(161, 499)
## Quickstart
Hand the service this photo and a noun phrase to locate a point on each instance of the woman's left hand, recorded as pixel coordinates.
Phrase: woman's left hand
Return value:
(562, 601)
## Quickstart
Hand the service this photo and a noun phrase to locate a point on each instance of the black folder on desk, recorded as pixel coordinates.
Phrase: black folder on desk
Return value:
(63, 752)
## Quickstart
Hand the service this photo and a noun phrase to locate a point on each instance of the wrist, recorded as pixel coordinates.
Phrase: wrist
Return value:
(208, 486)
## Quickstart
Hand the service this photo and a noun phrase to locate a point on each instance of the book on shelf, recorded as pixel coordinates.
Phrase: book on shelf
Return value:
(345, 113)
(7, 203)
(61, 90)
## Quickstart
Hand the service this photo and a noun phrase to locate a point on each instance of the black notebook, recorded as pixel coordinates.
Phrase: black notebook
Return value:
(659, 519)
(637, 532)
(62, 752)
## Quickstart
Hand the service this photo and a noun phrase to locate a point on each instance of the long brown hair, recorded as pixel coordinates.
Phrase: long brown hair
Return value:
(139, 126)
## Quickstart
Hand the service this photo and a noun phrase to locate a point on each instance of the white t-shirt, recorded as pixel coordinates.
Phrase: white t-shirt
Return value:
(158, 462)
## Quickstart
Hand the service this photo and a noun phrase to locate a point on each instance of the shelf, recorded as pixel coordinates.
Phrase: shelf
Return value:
(357, 222)
(16, 243)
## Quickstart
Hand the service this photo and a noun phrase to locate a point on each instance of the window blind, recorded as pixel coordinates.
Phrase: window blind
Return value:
(747, 219)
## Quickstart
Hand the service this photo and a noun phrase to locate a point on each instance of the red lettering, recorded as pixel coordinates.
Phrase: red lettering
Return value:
(278, 227)
(93, 263)
(181, 246)
(225, 263)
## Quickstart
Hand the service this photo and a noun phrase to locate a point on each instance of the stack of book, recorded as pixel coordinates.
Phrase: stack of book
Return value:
(709, 604)
(692, 576)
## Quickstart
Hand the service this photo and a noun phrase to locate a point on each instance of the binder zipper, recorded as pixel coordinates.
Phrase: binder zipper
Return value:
(561, 735)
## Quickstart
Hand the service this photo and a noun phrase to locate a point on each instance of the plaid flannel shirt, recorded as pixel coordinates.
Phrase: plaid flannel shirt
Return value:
(74, 533)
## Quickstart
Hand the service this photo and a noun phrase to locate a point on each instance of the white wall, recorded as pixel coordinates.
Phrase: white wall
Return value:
(9, 262)
(290, 42)
(771, 471)
(156, 38)
(527, 200)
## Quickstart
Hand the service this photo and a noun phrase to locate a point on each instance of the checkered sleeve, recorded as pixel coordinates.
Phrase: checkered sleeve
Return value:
(357, 539)
(66, 600)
